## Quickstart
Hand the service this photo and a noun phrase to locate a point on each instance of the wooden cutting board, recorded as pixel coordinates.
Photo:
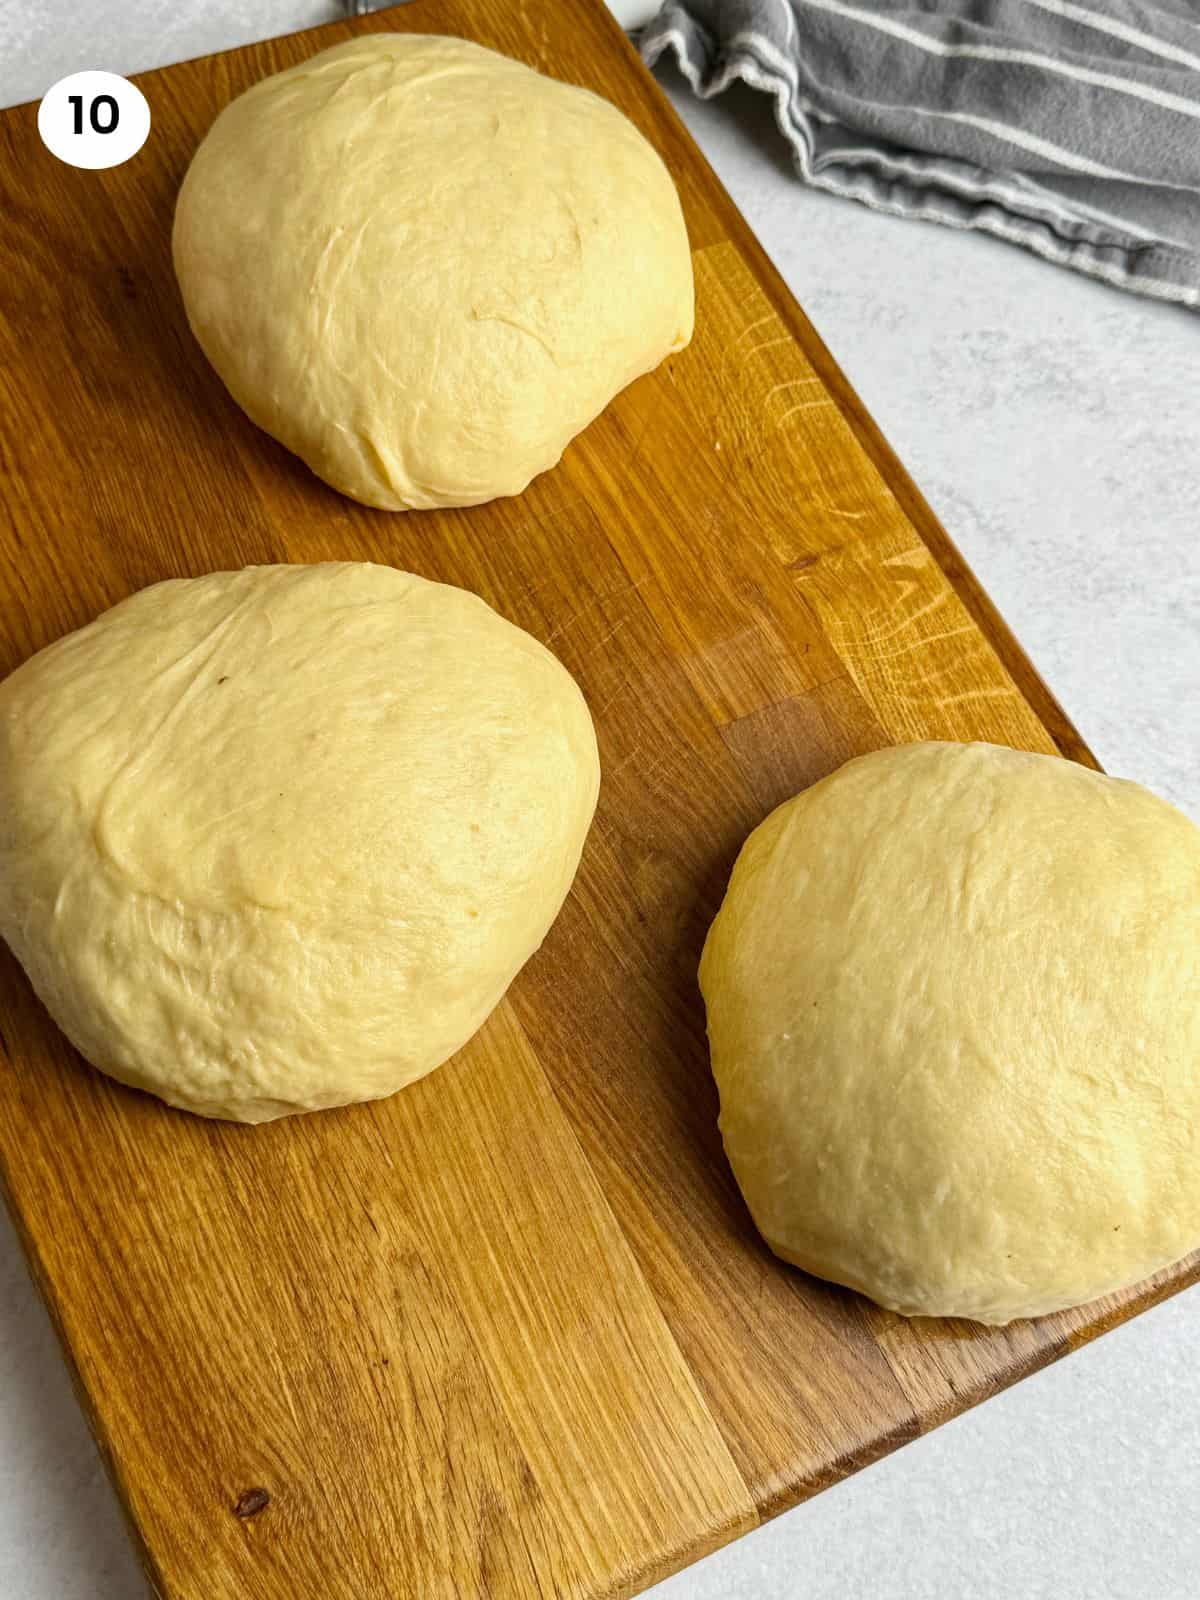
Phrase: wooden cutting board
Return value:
(510, 1333)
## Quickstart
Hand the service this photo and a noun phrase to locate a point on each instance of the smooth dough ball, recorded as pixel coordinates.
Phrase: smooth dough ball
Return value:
(424, 267)
(954, 1006)
(280, 839)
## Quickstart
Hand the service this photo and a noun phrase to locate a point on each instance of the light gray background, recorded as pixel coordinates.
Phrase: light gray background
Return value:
(1055, 427)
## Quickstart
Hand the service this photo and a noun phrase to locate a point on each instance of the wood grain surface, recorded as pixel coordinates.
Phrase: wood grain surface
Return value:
(509, 1333)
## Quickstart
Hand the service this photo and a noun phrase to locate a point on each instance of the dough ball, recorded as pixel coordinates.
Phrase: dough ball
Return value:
(424, 267)
(280, 839)
(954, 1006)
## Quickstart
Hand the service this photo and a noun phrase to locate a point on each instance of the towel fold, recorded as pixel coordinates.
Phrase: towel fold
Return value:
(1071, 127)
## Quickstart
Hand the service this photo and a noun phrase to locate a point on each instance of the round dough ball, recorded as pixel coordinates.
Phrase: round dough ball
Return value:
(954, 1005)
(280, 839)
(424, 267)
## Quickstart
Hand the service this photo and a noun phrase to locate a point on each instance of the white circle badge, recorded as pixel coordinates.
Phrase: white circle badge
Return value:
(94, 119)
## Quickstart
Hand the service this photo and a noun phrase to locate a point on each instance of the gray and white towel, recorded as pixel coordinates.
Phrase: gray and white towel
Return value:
(1071, 127)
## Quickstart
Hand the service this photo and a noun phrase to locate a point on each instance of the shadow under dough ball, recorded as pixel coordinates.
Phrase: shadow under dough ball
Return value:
(424, 267)
(953, 1000)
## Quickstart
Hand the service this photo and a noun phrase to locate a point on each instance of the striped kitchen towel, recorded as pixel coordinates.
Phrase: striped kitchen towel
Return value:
(1071, 127)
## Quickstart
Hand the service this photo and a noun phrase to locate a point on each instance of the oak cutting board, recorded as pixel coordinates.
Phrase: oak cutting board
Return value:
(511, 1332)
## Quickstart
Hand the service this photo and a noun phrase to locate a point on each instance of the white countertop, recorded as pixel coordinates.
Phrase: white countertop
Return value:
(1054, 425)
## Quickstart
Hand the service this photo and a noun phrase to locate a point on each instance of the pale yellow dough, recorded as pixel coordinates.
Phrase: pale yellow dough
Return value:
(954, 1006)
(424, 267)
(280, 839)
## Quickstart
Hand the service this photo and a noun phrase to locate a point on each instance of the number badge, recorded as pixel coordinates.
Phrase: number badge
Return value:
(94, 119)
